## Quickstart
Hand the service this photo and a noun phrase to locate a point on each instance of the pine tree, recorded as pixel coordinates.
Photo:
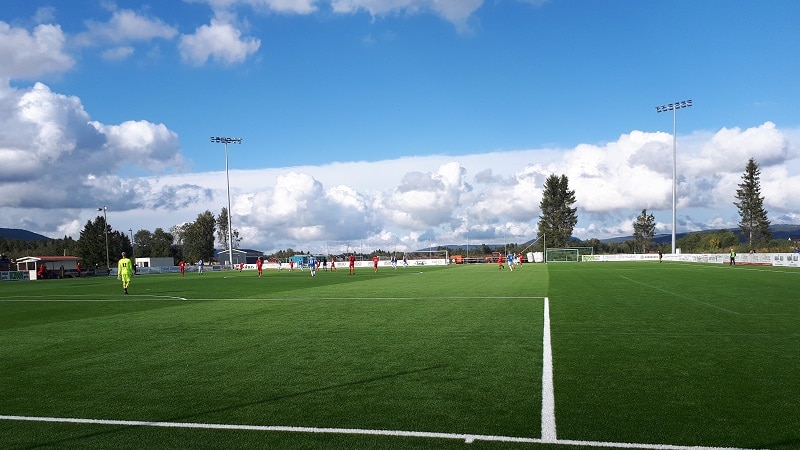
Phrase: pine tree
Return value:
(558, 218)
(754, 221)
(92, 242)
(643, 230)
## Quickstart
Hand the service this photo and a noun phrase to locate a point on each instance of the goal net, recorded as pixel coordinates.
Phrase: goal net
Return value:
(571, 254)
(422, 255)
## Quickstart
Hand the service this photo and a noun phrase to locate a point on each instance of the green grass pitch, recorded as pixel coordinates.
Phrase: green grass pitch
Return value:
(644, 355)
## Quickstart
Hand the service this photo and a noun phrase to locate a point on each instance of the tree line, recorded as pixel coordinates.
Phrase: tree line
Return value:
(194, 241)
(100, 244)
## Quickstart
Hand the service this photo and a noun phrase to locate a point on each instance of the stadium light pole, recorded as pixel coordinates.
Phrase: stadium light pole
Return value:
(674, 107)
(226, 141)
(105, 232)
(133, 250)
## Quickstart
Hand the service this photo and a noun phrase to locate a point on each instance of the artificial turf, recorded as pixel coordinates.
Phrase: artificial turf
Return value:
(681, 354)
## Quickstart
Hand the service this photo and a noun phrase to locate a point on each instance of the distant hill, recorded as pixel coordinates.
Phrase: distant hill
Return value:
(780, 232)
(17, 234)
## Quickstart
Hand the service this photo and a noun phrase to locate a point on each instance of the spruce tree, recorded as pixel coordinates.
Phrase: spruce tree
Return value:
(754, 222)
(558, 218)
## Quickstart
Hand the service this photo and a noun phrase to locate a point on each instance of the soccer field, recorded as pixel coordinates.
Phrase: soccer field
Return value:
(556, 356)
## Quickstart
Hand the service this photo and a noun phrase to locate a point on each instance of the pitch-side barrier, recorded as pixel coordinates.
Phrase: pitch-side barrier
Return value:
(762, 259)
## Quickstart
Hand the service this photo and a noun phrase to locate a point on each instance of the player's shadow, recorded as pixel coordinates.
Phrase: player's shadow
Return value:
(184, 418)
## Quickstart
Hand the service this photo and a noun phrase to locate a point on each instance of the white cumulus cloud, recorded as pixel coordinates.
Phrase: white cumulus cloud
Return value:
(219, 41)
(29, 54)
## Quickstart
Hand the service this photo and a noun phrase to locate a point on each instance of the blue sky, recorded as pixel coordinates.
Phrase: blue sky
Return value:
(393, 122)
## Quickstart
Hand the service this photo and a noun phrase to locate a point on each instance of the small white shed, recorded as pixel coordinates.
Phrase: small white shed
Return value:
(155, 262)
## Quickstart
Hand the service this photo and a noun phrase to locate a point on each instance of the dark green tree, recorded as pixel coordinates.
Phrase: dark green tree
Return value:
(754, 222)
(161, 243)
(198, 237)
(92, 243)
(558, 217)
(118, 242)
(142, 242)
(644, 228)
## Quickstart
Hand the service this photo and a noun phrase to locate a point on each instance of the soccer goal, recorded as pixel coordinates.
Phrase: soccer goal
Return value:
(571, 254)
(423, 257)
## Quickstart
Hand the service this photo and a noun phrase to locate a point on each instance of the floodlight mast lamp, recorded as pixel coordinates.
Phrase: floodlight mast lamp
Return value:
(674, 107)
(105, 232)
(226, 141)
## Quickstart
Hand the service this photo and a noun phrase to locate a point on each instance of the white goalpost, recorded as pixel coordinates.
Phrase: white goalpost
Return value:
(567, 254)
(423, 257)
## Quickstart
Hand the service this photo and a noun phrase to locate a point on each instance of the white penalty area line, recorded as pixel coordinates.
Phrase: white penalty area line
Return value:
(127, 298)
(467, 438)
(548, 391)
(307, 299)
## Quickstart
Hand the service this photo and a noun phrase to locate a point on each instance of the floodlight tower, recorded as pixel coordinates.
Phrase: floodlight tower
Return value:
(105, 232)
(226, 141)
(674, 107)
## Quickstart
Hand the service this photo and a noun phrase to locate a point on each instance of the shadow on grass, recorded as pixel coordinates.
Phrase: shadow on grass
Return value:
(185, 418)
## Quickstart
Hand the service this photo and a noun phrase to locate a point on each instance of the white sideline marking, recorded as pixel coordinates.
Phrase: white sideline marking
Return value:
(548, 392)
(468, 438)
(674, 294)
(77, 299)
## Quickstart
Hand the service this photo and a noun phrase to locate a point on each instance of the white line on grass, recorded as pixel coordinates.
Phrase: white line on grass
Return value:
(682, 296)
(127, 298)
(468, 438)
(548, 393)
(307, 299)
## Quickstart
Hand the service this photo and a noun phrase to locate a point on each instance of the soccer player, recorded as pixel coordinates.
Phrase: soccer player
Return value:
(259, 266)
(200, 267)
(125, 271)
(312, 266)
(333, 264)
(394, 262)
(733, 258)
(375, 260)
(510, 261)
(182, 266)
(352, 261)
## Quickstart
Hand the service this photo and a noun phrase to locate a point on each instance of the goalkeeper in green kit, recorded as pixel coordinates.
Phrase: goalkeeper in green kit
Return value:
(125, 271)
